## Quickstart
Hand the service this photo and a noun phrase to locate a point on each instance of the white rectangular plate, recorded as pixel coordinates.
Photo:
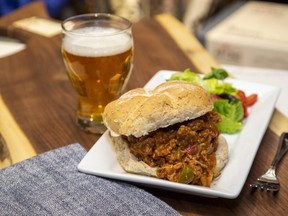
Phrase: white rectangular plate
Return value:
(101, 159)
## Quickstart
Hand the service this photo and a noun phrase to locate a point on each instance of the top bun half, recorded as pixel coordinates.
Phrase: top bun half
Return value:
(141, 111)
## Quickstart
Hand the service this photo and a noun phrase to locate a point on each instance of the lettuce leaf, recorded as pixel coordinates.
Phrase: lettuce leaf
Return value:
(232, 110)
(229, 126)
(218, 87)
(189, 76)
(214, 84)
(217, 73)
(232, 115)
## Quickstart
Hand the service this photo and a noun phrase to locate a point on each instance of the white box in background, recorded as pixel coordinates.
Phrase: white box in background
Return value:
(255, 35)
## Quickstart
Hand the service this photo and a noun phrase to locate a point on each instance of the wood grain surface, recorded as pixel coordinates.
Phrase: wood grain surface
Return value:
(36, 90)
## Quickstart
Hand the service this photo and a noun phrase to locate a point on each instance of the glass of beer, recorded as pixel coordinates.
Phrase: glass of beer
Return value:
(97, 50)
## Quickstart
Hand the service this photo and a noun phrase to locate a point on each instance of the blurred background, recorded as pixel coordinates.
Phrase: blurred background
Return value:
(235, 32)
(193, 13)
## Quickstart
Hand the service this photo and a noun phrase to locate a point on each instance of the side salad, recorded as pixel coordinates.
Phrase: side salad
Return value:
(231, 103)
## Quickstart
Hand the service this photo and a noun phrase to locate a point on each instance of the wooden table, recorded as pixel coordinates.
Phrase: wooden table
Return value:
(38, 105)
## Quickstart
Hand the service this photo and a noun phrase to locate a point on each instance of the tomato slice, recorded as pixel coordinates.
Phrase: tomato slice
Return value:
(242, 97)
(245, 110)
(251, 99)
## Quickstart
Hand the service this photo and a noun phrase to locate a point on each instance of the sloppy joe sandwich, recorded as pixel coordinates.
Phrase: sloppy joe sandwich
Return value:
(168, 132)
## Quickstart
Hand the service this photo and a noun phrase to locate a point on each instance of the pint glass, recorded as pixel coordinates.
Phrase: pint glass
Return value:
(97, 50)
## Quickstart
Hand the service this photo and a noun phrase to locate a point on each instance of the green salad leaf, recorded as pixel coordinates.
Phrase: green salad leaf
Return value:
(212, 84)
(217, 73)
(229, 126)
(231, 113)
(215, 86)
(189, 76)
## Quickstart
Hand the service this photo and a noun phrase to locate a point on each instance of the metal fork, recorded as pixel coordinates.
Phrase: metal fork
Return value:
(269, 180)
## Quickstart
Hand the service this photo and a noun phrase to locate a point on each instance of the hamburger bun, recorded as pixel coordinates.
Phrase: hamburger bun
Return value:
(141, 111)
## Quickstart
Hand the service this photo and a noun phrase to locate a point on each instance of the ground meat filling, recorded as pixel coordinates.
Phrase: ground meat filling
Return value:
(183, 152)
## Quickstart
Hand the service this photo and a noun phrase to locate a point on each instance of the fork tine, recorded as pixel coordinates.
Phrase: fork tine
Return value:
(274, 188)
(255, 185)
(265, 186)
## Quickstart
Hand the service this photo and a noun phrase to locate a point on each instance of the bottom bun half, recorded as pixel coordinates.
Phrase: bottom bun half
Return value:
(132, 165)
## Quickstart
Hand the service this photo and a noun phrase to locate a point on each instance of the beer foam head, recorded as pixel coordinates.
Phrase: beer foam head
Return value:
(97, 41)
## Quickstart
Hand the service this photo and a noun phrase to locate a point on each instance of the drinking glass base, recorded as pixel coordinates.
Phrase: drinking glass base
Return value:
(91, 126)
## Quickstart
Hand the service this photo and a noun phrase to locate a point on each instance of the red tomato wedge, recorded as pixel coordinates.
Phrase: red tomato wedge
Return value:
(251, 99)
(246, 100)
(242, 97)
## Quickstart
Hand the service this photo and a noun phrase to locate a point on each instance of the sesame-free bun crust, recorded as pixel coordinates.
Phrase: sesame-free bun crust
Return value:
(222, 155)
(127, 160)
(140, 111)
(132, 165)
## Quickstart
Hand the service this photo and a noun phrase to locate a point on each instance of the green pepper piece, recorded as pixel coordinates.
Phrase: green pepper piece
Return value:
(187, 175)
(178, 154)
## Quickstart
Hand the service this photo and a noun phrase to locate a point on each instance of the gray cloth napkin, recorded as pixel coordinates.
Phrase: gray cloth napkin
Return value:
(50, 184)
